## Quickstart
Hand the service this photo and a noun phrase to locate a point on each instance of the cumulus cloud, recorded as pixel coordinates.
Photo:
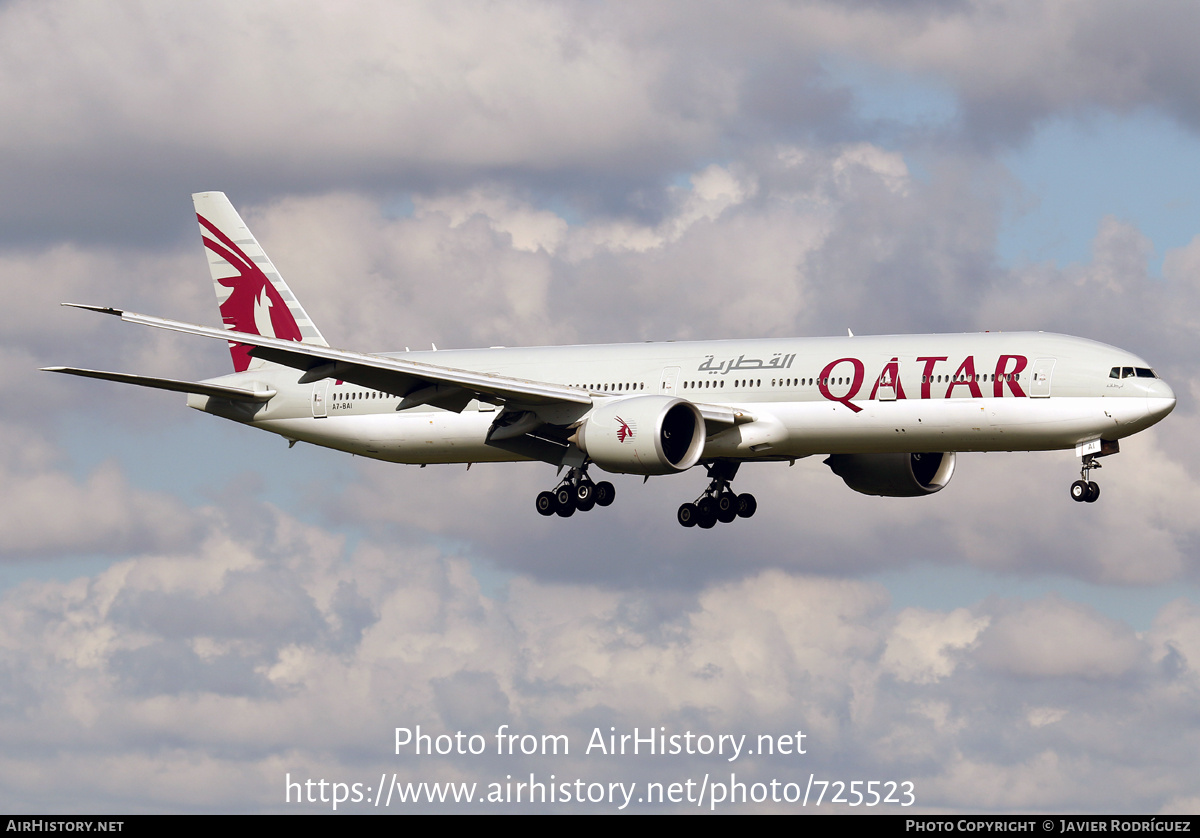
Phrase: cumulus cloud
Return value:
(50, 510)
(408, 94)
(230, 664)
(590, 103)
(1011, 65)
(923, 644)
(52, 513)
(1056, 639)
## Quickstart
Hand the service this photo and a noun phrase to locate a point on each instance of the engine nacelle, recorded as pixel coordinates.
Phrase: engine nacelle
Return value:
(894, 475)
(644, 435)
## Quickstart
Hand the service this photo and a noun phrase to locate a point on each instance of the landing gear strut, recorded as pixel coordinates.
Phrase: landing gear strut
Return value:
(1084, 490)
(718, 502)
(576, 491)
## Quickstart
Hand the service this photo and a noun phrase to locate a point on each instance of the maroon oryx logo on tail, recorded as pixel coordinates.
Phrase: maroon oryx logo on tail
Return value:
(254, 306)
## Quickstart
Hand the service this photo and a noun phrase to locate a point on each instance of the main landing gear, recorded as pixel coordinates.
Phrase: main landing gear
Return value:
(576, 491)
(1086, 491)
(718, 502)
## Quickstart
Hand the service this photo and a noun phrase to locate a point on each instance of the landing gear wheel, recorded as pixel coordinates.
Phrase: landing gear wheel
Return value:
(564, 501)
(1086, 490)
(718, 502)
(746, 505)
(726, 507)
(688, 515)
(576, 493)
(585, 496)
(605, 492)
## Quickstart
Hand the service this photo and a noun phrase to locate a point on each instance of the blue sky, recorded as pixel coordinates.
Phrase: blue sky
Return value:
(1075, 171)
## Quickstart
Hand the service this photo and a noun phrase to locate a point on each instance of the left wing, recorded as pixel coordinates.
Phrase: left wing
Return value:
(416, 382)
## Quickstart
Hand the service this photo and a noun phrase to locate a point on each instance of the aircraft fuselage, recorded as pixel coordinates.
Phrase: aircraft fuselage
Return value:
(889, 411)
(865, 394)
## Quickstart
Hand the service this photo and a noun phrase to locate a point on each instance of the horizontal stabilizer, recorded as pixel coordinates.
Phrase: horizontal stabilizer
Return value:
(237, 394)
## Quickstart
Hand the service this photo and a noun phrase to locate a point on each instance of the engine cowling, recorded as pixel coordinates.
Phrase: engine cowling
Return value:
(894, 475)
(643, 435)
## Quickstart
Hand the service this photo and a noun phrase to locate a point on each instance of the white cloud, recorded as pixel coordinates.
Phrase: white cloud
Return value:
(383, 637)
(1051, 638)
(49, 511)
(530, 229)
(1012, 64)
(923, 645)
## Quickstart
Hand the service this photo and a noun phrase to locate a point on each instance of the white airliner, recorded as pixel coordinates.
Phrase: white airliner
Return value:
(888, 411)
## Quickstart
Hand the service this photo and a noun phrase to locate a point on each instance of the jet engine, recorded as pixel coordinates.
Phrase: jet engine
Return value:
(894, 475)
(643, 435)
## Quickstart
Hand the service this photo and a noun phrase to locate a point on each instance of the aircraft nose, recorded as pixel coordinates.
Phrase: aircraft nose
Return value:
(1160, 400)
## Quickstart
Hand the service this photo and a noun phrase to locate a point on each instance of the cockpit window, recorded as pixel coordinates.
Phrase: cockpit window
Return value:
(1131, 372)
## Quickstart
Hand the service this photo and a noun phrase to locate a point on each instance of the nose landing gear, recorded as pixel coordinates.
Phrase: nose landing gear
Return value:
(1084, 490)
(576, 492)
(718, 502)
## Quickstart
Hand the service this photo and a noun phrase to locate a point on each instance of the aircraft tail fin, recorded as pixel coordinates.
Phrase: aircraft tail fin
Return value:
(252, 295)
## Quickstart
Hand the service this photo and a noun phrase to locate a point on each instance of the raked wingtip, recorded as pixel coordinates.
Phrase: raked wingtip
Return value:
(102, 309)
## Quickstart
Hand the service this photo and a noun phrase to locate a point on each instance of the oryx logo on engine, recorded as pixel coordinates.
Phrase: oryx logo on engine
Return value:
(624, 432)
